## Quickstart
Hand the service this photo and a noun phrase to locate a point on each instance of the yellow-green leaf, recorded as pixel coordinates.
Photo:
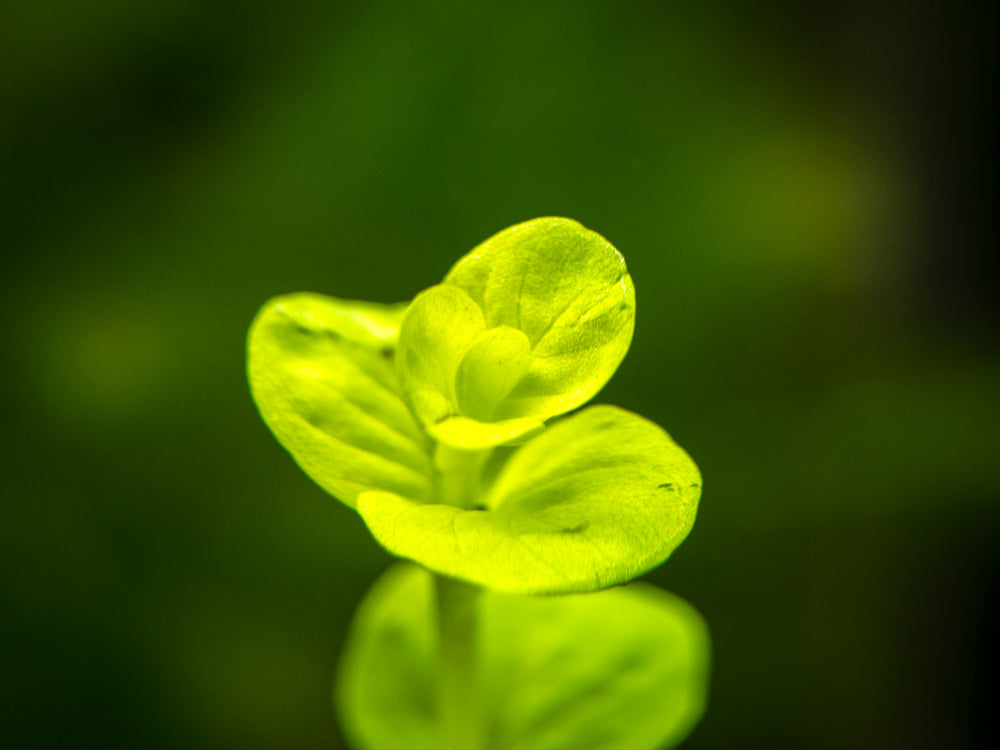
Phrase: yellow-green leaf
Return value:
(623, 669)
(322, 374)
(568, 290)
(489, 370)
(438, 329)
(595, 500)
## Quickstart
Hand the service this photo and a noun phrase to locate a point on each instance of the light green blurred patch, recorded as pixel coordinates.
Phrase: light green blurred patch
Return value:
(624, 669)
(102, 363)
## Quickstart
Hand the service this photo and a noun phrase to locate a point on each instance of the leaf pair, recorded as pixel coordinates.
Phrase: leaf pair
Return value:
(527, 326)
(530, 324)
(623, 669)
(596, 500)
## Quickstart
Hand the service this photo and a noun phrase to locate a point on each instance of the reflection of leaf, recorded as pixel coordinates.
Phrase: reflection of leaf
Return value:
(596, 500)
(322, 374)
(623, 669)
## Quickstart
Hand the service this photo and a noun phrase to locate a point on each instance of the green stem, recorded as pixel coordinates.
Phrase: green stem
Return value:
(458, 473)
(460, 697)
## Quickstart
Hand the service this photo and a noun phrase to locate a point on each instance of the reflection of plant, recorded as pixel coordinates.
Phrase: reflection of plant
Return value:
(429, 420)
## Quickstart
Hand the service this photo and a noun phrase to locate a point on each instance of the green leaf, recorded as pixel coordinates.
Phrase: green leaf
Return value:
(440, 326)
(322, 374)
(623, 669)
(531, 323)
(492, 366)
(567, 289)
(471, 434)
(595, 500)
(447, 358)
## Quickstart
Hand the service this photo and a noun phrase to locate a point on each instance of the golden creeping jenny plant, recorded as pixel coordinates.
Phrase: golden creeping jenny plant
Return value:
(435, 421)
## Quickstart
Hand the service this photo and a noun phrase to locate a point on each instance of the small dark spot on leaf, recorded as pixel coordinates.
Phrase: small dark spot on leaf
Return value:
(478, 506)
(582, 526)
(632, 660)
(387, 352)
(694, 485)
(665, 486)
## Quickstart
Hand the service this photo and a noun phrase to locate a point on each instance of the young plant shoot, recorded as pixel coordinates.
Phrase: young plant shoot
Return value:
(444, 423)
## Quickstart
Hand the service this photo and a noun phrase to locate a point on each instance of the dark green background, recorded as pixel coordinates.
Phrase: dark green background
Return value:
(803, 192)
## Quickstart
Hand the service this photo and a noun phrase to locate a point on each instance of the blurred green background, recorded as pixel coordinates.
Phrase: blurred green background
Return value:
(803, 192)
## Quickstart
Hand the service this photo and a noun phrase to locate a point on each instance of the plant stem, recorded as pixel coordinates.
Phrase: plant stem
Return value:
(459, 693)
(458, 472)
(459, 696)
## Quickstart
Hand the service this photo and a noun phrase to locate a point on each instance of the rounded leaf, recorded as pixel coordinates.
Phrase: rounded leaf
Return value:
(623, 669)
(471, 434)
(490, 369)
(439, 327)
(322, 375)
(595, 500)
(568, 290)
